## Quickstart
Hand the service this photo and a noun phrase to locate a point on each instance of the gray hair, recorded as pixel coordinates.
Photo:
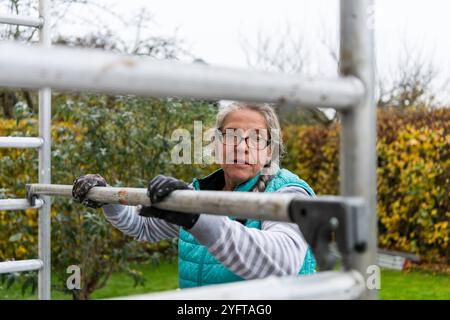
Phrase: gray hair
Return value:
(273, 128)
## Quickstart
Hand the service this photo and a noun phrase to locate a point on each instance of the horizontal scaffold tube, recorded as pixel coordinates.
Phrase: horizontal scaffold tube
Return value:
(20, 265)
(19, 204)
(269, 207)
(324, 285)
(263, 206)
(21, 20)
(98, 71)
(20, 142)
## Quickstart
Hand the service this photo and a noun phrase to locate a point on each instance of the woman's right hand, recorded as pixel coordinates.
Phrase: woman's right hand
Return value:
(83, 184)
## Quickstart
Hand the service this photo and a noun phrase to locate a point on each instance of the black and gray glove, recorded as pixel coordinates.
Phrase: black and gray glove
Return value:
(83, 184)
(158, 188)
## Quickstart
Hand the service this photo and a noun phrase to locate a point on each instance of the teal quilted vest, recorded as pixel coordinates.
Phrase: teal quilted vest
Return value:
(197, 267)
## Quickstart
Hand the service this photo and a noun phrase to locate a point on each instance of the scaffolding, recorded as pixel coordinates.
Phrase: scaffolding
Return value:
(352, 215)
(43, 143)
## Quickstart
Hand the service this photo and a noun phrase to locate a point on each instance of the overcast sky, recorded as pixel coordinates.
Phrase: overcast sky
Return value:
(215, 30)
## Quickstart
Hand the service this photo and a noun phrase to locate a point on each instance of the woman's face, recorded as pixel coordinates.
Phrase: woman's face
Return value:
(241, 162)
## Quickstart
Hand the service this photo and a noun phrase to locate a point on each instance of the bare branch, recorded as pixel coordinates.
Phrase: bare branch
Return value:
(286, 53)
(410, 83)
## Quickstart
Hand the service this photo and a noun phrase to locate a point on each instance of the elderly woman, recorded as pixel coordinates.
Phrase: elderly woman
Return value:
(218, 249)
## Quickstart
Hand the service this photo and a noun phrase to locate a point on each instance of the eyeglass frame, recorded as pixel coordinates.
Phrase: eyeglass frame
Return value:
(222, 139)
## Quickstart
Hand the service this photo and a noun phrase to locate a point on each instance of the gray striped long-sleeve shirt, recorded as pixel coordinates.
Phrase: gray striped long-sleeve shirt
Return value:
(277, 249)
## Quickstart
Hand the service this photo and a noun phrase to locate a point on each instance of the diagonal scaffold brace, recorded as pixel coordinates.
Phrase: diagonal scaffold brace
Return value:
(322, 220)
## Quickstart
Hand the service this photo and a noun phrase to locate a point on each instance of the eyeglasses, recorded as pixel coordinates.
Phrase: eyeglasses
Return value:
(232, 137)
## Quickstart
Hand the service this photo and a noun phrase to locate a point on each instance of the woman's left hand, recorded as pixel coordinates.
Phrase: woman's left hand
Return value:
(159, 188)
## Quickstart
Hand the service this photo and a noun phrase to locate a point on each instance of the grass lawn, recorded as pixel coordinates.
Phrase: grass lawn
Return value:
(414, 285)
(394, 284)
(157, 278)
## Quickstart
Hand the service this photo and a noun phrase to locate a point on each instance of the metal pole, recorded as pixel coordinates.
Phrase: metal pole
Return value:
(263, 206)
(324, 285)
(44, 283)
(21, 21)
(98, 71)
(19, 204)
(358, 137)
(20, 142)
(252, 205)
(20, 266)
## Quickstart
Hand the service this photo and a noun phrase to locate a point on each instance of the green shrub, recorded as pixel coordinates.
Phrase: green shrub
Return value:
(413, 176)
(127, 141)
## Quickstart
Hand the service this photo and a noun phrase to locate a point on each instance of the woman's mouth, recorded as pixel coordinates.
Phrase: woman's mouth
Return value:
(242, 163)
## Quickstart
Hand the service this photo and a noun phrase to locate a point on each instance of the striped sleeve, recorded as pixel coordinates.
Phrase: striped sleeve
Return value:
(129, 222)
(277, 249)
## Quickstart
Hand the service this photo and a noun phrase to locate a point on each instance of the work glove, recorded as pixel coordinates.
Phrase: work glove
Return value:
(160, 187)
(83, 184)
